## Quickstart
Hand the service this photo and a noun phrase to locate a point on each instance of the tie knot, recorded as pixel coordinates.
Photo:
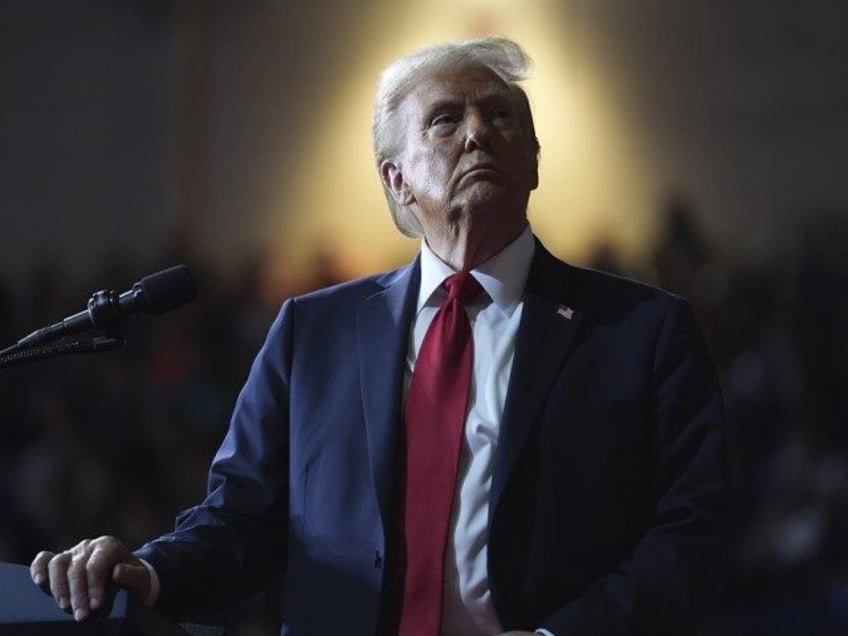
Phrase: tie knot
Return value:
(462, 286)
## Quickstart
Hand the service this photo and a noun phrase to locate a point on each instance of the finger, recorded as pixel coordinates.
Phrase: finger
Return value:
(133, 577)
(105, 554)
(97, 569)
(38, 567)
(78, 584)
(58, 575)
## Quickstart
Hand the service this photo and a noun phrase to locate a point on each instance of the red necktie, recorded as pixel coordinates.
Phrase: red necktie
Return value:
(436, 407)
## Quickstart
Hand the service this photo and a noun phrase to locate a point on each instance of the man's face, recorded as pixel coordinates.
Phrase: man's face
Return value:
(466, 160)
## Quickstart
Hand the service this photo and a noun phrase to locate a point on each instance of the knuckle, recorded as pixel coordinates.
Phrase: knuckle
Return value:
(82, 547)
(95, 567)
(104, 545)
(78, 559)
(41, 560)
(110, 546)
(59, 560)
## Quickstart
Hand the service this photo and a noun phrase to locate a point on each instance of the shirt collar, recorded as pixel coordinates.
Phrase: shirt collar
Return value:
(503, 276)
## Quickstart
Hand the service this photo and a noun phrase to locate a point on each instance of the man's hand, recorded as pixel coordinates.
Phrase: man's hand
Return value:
(77, 577)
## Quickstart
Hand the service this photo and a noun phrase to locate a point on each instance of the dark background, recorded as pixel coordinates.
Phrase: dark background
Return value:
(134, 135)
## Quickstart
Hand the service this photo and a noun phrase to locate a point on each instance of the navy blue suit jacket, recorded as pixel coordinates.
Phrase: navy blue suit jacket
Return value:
(608, 497)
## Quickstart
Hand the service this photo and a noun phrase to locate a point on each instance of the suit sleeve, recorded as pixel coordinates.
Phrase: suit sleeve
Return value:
(232, 544)
(674, 572)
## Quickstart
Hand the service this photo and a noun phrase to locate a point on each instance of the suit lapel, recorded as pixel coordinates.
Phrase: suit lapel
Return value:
(382, 336)
(548, 326)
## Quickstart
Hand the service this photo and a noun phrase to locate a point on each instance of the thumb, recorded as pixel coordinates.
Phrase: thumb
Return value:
(134, 577)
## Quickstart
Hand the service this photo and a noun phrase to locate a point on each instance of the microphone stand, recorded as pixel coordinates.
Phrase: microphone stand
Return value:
(103, 314)
(18, 355)
(106, 310)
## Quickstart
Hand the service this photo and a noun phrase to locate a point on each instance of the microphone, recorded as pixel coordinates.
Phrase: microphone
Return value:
(153, 294)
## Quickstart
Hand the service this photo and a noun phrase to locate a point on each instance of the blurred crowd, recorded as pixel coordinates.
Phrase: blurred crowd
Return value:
(120, 442)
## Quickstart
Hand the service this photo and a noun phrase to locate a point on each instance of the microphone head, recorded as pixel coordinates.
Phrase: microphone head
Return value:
(168, 289)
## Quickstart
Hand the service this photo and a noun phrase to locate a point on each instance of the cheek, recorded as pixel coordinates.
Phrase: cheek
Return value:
(432, 172)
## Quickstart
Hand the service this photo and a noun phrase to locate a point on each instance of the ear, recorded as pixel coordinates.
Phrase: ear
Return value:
(392, 177)
(534, 165)
(534, 176)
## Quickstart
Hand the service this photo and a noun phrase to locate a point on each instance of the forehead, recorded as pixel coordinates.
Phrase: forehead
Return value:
(460, 84)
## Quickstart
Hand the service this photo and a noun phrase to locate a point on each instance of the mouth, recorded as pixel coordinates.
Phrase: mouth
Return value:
(482, 171)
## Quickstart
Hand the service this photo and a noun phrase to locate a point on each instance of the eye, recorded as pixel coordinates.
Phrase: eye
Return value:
(444, 119)
(501, 114)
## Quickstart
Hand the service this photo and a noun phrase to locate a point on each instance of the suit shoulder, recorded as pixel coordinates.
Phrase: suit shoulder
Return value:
(622, 286)
(593, 289)
(351, 291)
(614, 300)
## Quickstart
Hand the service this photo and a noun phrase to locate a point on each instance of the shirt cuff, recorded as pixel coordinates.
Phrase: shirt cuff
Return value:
(153, 596)
(543, 632)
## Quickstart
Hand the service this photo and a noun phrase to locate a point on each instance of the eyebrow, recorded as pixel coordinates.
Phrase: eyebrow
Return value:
(491, 93)
(444, 103)
(492, 90)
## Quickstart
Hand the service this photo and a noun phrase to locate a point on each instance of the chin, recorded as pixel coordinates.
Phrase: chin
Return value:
(496, 202)
(487, 195)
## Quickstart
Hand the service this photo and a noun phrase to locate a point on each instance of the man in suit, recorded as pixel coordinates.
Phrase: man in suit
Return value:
(590, 480)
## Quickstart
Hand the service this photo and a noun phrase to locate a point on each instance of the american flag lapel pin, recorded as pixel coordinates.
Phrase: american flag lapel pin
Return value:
(566, 312)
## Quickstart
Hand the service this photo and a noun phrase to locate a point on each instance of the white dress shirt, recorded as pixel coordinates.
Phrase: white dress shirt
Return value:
(494, 316)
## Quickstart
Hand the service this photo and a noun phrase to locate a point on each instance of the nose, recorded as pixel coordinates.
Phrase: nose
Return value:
(477, 132)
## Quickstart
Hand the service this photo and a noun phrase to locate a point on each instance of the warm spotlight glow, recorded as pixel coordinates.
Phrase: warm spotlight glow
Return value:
(592, 185)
